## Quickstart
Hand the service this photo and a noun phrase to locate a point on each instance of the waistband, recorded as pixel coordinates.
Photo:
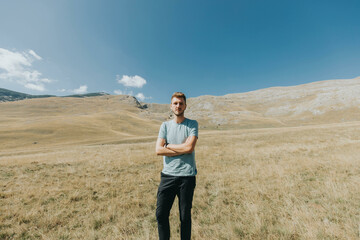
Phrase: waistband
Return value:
(171, 176)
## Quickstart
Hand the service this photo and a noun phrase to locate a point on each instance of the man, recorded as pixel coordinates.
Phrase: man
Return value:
(176, 142)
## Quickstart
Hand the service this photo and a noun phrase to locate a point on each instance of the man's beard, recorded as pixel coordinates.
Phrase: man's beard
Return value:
(179, 114)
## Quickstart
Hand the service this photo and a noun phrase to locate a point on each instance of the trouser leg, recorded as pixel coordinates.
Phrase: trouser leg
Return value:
(165, 198)
(185, 195)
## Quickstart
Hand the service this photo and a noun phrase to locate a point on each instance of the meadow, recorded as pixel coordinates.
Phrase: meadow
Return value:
(271, 183)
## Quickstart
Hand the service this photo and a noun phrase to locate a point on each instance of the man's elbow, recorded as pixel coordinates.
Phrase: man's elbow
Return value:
(189, 149)
(157, 151)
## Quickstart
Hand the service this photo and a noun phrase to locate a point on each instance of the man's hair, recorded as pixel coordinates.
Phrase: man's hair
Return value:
(179, 95)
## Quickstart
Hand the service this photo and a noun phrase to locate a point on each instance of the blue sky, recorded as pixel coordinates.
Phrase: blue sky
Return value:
(151, 49)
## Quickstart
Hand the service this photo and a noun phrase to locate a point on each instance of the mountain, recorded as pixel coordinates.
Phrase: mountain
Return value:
(57, 121)
(9, 96)
(87, 95)
(313, 103)
(329, 101)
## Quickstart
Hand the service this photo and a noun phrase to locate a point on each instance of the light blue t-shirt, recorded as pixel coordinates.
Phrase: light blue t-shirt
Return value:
(177, 133)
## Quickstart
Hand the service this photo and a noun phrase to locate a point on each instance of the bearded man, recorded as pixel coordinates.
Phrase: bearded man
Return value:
(176, 143)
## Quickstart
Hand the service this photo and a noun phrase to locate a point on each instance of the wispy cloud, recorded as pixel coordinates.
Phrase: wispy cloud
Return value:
(140, 96)
(35, 55)
(81, 90)
(17, 66)
(120, 92)
(37, 87)
(131, 81)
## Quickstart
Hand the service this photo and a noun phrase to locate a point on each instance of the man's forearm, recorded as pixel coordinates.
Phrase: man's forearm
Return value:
(180, 148)
(163, 151)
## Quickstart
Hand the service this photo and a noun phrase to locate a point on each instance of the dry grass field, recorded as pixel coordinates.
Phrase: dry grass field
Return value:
(271, 183)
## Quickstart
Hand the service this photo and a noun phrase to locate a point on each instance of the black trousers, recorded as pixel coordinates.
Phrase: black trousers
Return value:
(183, 188)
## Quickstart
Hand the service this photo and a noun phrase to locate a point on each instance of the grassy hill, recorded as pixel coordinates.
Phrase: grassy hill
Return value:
(102, 118)
(278, 163)
(34, 123)
(273, 183)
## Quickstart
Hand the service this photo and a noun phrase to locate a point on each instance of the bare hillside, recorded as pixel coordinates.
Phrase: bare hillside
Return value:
(313, 103)
(54, 121)
(33, 123)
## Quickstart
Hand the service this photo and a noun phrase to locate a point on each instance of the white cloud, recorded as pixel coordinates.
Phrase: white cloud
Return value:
(46, 80)
(16, 66)
(38, 87)
(81, 90)
(12, 61)
(131, 81)
(35, 55)
(120, 92)
(140, 96)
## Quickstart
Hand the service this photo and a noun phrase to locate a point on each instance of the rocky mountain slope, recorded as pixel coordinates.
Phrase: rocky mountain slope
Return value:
(318, 102)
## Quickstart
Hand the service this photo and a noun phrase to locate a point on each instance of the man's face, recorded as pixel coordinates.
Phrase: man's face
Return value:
(178, 106)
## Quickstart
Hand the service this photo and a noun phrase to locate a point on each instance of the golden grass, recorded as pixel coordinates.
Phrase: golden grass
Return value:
(277, 183)
(34, 124)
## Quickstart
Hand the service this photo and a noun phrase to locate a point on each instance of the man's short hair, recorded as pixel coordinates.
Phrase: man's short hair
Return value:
(179, 95)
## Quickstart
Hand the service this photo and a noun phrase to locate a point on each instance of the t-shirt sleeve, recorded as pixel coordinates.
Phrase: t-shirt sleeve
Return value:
(162, 132)
(194, 129)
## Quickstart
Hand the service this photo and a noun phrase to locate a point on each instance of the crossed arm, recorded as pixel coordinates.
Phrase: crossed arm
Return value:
(175, 149)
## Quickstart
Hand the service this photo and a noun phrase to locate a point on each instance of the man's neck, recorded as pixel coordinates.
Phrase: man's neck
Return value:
(179, 119)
